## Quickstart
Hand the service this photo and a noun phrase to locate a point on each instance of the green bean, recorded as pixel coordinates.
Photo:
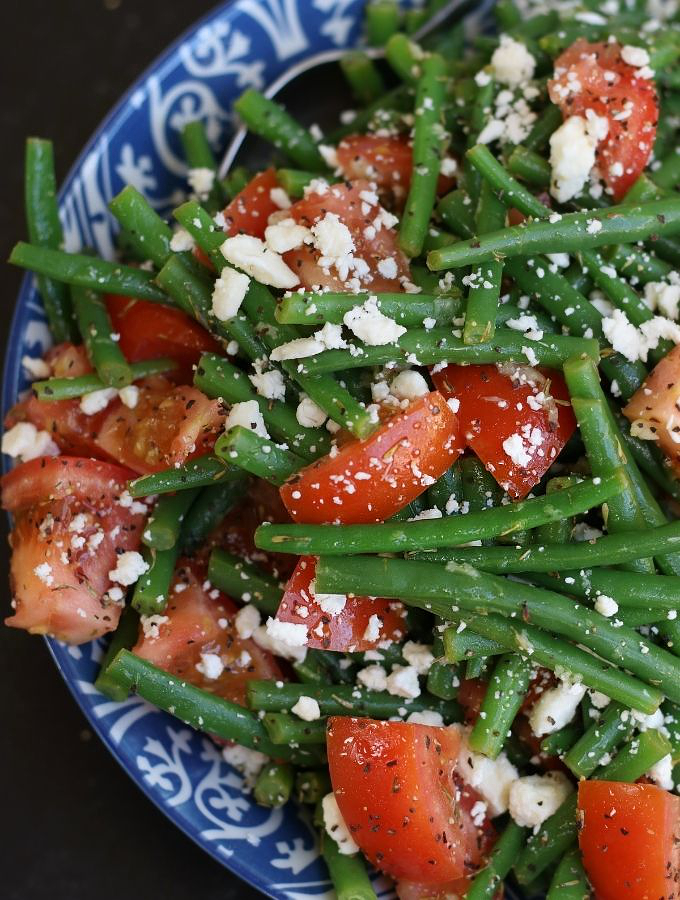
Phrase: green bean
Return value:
(199, 155)
(601, 738)
(260, 456)
(462, 645)
(309, 671)
(312, 785)
(200, 472)
(407, 309)
(671, 714)
(668, 174)
(559, 742)
(529, 166)
(447, 532)
(557, 532)
(235, 181)
(200, 709)
(632, 590)
(44, 230)
(343, 700)
(87, 271)
(504, 695)
(571, 233)
(578, 279)
(485, 289)
(443, 345)
(95, 328)
(443, 589)
(477, 667)
(274, 785)
(207, 511)
(405, 57)
(428, 143)
(382, 20)
(457, 212)
(647, 455)
(142, 224)
(548, 120)
(507, 16)
(55, 389)
(611, 550)
(244, 581)
(485, 884)
(550, 843)
(217, 377)
(363, 77)
(284, 728)
(123, 638)
(270, 121)
(449, 487)
(163, 527)
(348, 872)
(569, 881)
(636, 757)
(443, 681)
(637, 263)
(480, 489)
(152, 590)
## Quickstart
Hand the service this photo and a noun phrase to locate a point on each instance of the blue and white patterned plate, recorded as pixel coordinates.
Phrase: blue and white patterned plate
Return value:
(245, 43)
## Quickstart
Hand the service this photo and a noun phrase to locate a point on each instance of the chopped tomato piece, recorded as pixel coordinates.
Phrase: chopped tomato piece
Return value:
(470, 696)
(370, 480)
(168, 425)
(386, 161)
(630, 839)
(336, 622)
(397, 788)
(201, 623)
(149, 330)
(249, 210)
(70, 525)
(377, 263)
(595, 77)
(516, 419)
(654, 409)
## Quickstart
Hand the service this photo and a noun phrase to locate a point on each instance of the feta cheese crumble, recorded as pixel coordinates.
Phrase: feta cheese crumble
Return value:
(228, 293)
(254, 257)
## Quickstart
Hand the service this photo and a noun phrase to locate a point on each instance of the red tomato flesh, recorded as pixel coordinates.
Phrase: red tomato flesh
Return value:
(370, 480)
(372, 244)
(345, 630)
(611, 88)
(59, 570)
(395, 784)
(496, 408)
(249, 210)
(149, 330)
(630, 840)
(201, 620)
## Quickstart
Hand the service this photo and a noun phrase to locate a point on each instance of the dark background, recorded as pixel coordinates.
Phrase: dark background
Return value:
(74, 826)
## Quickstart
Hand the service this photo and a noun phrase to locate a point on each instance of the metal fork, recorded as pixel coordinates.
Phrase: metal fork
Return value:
(330, 56)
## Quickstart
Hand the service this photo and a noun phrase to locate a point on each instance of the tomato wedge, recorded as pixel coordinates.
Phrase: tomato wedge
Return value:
(375, 240)
(199, 621)
(168, 425)
(249, 210)
(370, 480)
(149, 330)
(517, 423)
(396, 786)
(630, 840)
(654, 409)
(344, 624)
(70, 525)
(596, 77)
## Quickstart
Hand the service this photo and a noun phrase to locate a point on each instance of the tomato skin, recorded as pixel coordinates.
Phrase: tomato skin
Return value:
(345, 201)
(249, 210)
(343, 632)
(657, 406)
(630, 139)
(395, 785)
(68, 599)
(493, 408)
(168, 425)
(149, 330)
(401, 457)
(630, 839)
(471, 693)
(202, 619)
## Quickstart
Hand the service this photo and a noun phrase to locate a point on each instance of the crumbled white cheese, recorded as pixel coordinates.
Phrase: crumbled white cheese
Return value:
(150, 624)
(606, 606)
(299, 348)
(288, 633)
(373, 677)
(335, 826)
(403, 682)
(534, 798)
(228, 293)
(210, 666)
(371, 326)
(665, 297)
(491, 778)
(129, 396)
(331, 604)
(515, 449)
(23, 441)
(201, 180)
(274, 644)
(331, 337)
(269, 385)
(511, 62)
(372, 630)
(408, 385)
(309, 415)
(130, 566)
(634, 56)
(182, 241)
(96, 401)
(254, 257)
(246, 620)
(248, 415)
(572, 156)
(662, 773)
(44, 573)
(287, 235)
(332, 238)
(419, 656)
(556, 707)
(426, 717)
(307, 709)
(36, 367)
(248, 762)
(280, 198)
